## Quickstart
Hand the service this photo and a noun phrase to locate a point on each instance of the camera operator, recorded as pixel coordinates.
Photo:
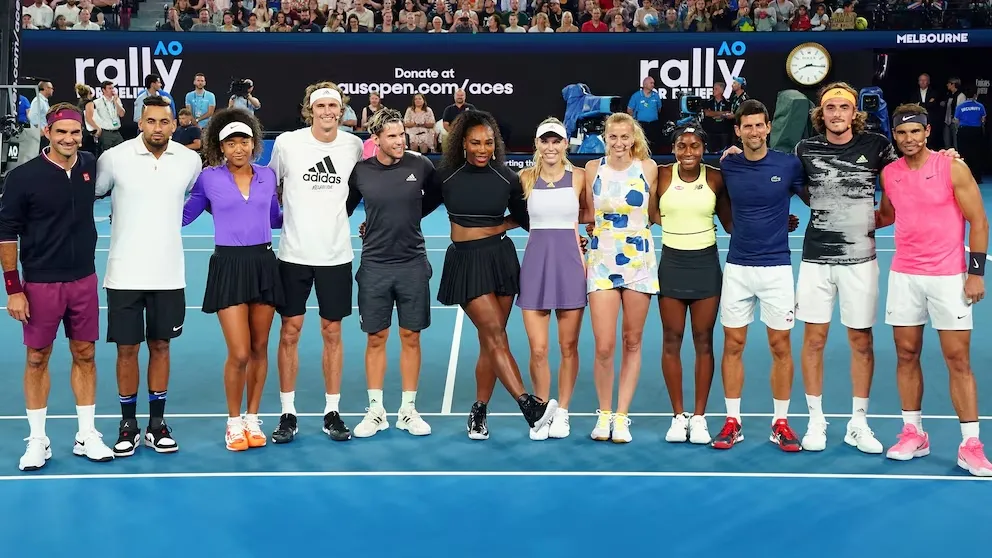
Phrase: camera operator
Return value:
(241, 96)
(719, 120)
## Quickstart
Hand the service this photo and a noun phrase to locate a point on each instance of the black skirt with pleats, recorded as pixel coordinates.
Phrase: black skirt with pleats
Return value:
(479, 267)
(242, 275)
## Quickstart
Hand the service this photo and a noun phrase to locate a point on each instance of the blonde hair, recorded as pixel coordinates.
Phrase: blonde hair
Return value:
(640, 150)
(529, 175)
(306, 110)
(83, 91)
(816, 116)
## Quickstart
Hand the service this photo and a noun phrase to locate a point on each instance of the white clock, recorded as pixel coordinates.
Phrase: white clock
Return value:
(808, 64)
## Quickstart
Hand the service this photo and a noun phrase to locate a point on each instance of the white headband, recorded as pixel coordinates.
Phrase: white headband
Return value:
(325, 93)
(235, 128)
(551, 128)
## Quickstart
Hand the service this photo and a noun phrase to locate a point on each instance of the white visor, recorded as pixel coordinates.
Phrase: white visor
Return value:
(235, 128)
(325, 93)
(551, 128)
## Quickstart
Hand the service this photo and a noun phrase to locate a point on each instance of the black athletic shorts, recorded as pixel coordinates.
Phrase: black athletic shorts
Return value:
(332, 283)
(134, 316)
(407, 287)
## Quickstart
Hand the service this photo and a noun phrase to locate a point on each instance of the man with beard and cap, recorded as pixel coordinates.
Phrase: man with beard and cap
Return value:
(147, 178)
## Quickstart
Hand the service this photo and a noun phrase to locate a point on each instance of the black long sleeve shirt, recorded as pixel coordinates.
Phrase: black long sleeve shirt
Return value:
(480, 196)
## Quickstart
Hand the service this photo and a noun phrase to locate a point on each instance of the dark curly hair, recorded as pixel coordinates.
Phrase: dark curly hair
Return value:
(212, 152)
(454, 144)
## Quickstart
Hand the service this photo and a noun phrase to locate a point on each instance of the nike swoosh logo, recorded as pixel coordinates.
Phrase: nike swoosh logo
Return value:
(910, 117)
(177, 328)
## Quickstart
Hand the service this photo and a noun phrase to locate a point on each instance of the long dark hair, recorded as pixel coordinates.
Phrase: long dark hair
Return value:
(454, 144)
(212, 151)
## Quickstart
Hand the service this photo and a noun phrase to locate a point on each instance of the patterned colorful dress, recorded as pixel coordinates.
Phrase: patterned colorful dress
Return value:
(621, 251)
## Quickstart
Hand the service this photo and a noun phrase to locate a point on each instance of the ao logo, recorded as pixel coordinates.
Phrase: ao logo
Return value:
(173, 48)
(736, 48)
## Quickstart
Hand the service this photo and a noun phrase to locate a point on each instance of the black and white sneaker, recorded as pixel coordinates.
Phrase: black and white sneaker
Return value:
(286, 432)
(537, 412)
(477, 427)
(158, 436)
(335, 427)
(128, 436)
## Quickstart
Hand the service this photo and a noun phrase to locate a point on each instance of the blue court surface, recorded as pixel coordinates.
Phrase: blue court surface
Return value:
(444, 495)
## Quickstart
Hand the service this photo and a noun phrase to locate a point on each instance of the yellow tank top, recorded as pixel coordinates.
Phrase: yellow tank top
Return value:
(687, 210)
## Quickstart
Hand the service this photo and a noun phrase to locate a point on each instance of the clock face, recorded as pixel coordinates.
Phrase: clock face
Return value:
(809, 65)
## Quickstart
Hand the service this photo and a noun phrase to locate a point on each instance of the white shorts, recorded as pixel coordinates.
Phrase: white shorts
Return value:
(819, 285)
(772, 287)
(911, 298)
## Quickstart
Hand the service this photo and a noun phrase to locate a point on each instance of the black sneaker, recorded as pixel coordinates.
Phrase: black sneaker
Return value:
(127, 438)
(537, 412)
(286, 432)
(159, 437)
(335, 427)
(477, 427)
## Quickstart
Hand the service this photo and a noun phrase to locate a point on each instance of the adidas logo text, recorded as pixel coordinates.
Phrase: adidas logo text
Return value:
(322, 174)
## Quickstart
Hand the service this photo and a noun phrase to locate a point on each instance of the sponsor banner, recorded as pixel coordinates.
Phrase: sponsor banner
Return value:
(519, 79)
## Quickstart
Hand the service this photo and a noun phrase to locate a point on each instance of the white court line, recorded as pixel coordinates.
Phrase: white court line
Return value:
(499, 474)
(510, 235)
(449, 380)
(658, 250)
(491, 415)
(308, 308)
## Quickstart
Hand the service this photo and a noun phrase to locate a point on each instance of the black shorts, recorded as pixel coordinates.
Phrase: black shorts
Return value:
(332, 283)
(407, 287)
(133, 316)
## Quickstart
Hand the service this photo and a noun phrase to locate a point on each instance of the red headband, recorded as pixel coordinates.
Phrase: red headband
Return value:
(65, 114)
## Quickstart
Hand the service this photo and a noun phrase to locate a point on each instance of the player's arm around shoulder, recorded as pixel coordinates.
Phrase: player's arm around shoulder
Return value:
(658, 187)
(723, 212)
(591, 170)
(583, 189)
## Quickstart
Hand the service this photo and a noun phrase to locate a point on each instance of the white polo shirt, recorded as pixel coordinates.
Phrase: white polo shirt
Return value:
(147, 197)
(315, 229)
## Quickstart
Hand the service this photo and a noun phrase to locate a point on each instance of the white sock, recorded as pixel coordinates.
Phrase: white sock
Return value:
(815, 405)
(781, 409)
(859, 413)
(331, 403)
(734, 408)
(915, 418)
(251, 418)
(288, 402)
(969, 430)
(87, 417)
(409, 399)
(235, 422)
(375, 399)
(36, 421)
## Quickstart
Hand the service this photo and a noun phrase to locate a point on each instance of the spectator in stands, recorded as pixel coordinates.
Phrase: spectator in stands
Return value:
(187, 133)
(85, 22)
(784, 12)
(228, 25)
(437, 25)
(721, 17)
(388, 25)
(465, 22)
(489, 10)
(335, 24)
(441, 10)
(744, 21)
(186, 10)
(619, 26)
(540, 24)
(764, 16)
(419, 122)
(291, 16)
(26, 22)
(253, 26)
(411, 8)
(410, 24)
(513, 24)
(282, 24)
(172, 22)
(365, 17)
(801, 21)
(354, 26)
(522, 19)
(670, 24)
(42, 16)
(596, 24)
(60, 24)
(306, 24)
(567, 24)
(493, 25)
(69, 11)
(820, 20)
(646, 17)
(263, 13)
(318, 14)
(374, 106)
(555, 14)
(240, 13)
(697, 17)
(203, 23)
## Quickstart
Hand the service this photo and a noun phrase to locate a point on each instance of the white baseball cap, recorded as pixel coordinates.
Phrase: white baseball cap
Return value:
(551, 128)
(235, 128)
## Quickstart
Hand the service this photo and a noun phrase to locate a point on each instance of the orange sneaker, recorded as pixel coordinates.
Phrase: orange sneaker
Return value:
(253, 431)
(235, 437)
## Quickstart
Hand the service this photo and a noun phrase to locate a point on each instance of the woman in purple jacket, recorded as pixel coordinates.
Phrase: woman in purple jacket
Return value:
(243, 285)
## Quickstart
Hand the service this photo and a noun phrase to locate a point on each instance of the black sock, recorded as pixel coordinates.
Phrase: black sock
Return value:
(156, 404)
(129, 406)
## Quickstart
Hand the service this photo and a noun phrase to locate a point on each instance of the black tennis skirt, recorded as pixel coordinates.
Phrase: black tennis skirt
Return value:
(242, 275)
(690, 274)
(479, 267)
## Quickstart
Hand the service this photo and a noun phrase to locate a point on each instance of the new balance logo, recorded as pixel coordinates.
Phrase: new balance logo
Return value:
(411, 178)
(322, 174)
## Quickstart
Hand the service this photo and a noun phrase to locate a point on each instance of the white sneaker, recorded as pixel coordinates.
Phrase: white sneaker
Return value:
(861, 437)
(410, 420)
(90, 445)
(559, 424)
(604, 425)
(374, 421)
(679, 430)
(621, 429)
(37, 454)
(699, 431)
(815, 438)
(542, 433)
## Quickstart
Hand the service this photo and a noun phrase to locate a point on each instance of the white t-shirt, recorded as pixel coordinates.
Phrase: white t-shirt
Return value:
(315, 229)
(147, 197)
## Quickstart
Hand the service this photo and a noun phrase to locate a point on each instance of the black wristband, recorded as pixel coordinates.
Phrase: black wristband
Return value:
(976, 264)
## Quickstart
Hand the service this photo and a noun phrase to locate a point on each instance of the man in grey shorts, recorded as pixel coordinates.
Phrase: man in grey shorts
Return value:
(394, 270)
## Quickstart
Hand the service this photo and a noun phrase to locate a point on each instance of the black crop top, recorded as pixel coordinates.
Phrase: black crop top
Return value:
(479, 196)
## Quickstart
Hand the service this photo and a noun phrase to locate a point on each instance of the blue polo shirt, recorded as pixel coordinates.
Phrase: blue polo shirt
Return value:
(760, 194)
(645, 107)
(970, 114)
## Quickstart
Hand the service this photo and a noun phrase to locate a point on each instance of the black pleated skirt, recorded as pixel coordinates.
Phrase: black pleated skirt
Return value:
(690, 274)
(479, 267)
(242, 275)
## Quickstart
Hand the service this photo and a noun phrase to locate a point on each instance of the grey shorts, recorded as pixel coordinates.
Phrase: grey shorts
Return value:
(406, 287)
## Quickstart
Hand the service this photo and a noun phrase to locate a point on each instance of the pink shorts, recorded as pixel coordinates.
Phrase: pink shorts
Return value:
(75, 305)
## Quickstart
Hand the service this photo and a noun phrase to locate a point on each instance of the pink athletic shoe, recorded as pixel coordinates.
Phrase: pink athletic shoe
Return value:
(971, 458)
(912, 443)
